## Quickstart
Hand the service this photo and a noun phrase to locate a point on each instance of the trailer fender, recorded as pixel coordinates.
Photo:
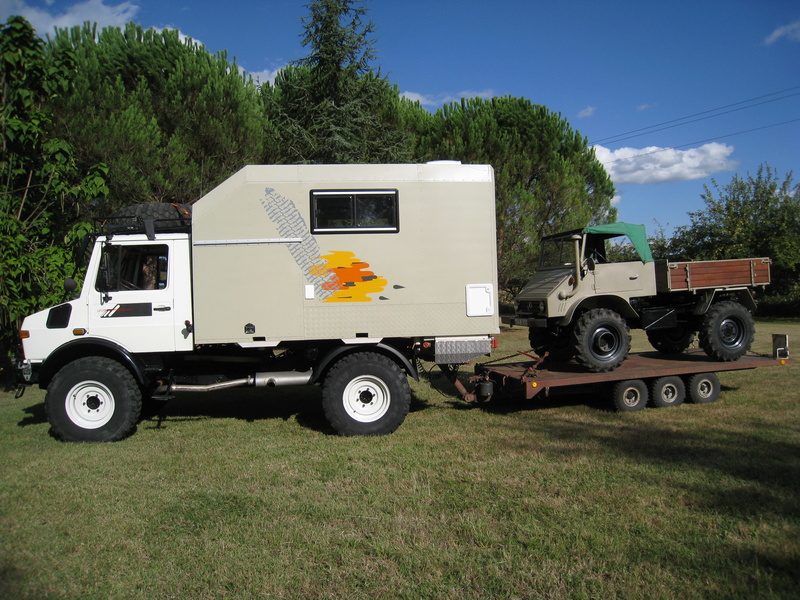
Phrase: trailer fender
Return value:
(89, 347)
(322, 366)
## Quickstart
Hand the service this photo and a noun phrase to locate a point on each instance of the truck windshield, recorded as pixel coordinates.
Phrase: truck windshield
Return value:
(557, 252)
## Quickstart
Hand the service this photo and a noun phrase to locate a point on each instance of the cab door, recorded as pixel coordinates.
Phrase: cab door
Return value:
(132, 302)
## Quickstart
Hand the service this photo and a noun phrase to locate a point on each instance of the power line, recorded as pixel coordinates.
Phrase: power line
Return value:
(702, 141)
(685, 120)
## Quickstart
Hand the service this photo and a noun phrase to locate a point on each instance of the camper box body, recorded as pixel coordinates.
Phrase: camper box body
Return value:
(356, 252)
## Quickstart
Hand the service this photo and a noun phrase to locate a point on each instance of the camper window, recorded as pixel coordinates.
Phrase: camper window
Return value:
(354, 211)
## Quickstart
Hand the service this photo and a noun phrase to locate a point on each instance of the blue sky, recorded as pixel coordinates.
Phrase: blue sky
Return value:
(671, 93)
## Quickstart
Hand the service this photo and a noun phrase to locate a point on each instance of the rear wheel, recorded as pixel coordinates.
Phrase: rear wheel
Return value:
(727, 332)
(703, 388)
(630, 395)
(93, 399)
(365, 394)
(667, 391)
(601, 340)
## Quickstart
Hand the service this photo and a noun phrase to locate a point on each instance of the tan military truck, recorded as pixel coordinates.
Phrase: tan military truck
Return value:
(579, 305)
(340, 276)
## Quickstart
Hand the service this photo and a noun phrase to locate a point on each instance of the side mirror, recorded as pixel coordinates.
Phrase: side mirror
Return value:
(70, 285)
(590, 263)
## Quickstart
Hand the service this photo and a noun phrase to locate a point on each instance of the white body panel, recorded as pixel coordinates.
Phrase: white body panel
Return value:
(141, 320)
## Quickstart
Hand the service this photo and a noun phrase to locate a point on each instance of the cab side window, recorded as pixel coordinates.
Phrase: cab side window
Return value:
(132, 268)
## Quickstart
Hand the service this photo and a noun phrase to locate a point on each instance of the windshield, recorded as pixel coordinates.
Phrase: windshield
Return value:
(557, 252)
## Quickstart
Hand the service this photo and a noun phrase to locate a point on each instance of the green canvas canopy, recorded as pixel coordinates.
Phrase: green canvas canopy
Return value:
(636, 233)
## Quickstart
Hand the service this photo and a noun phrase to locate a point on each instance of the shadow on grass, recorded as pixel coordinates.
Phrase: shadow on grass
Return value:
(744, 469)
(34, 415)
(302, 403)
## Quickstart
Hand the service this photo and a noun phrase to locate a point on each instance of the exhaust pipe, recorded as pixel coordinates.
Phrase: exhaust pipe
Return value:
(562, 295)
(279, 378)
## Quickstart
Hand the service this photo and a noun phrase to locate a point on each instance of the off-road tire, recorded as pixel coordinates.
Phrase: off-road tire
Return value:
(671, 341)
(727, 332)
(601, 340)
(629, 395)
(702, 388)
(93, 399)
(365, 393)
(667, 391)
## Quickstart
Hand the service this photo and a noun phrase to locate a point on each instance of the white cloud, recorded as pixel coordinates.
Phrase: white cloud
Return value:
(662, 165)
(265, 76)
(421, 98)
(435, 101)
(587, 112)
(790, 32)
(96, 11)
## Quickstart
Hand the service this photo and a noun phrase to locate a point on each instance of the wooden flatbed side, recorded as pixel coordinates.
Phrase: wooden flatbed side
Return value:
(534, 378)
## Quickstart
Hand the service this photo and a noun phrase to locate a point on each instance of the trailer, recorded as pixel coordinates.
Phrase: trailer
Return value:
(644, 378)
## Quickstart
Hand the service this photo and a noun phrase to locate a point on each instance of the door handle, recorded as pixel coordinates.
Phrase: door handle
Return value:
(162, 308)
(634, 277)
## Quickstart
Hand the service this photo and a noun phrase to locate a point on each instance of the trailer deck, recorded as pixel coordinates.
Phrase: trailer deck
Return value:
(533, 376)
(536, 377)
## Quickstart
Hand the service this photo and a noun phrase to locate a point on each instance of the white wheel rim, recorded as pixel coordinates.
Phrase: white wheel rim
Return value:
(631, 397)
(669, 393)
(90, 404)
(704, 389)
(366, 399)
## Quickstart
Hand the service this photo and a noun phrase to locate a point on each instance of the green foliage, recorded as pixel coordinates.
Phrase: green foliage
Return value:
(331, 107)
(547, 177)
(42, 190)
(748, 217)
(170, 119)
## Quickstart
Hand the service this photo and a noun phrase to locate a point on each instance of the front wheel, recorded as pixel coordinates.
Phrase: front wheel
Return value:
(601, 340)
(365, 394)
(93, 399)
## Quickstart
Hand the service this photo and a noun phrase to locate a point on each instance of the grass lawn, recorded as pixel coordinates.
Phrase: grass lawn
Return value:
(248, 494)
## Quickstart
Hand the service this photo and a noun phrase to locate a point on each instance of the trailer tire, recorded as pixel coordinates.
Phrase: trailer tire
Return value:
(667, 391)
(601, 340)
(629, 395)
(727, 332)
(702, 388)
(365, 394)
(671, 341)
(93, 399)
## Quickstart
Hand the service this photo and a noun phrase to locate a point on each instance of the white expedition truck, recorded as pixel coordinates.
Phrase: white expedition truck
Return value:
(334, 275)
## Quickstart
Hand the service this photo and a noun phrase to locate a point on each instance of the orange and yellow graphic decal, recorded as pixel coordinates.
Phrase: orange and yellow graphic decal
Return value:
(351, 281)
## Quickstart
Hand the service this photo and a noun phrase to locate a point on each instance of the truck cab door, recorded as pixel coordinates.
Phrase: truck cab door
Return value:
(132, 300)
(627, 279)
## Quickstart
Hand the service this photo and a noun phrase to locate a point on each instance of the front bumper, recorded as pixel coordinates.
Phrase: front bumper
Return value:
(24, 372)
(525, 321)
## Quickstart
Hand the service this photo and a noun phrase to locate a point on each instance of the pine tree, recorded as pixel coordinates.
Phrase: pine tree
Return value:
(332, 107)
